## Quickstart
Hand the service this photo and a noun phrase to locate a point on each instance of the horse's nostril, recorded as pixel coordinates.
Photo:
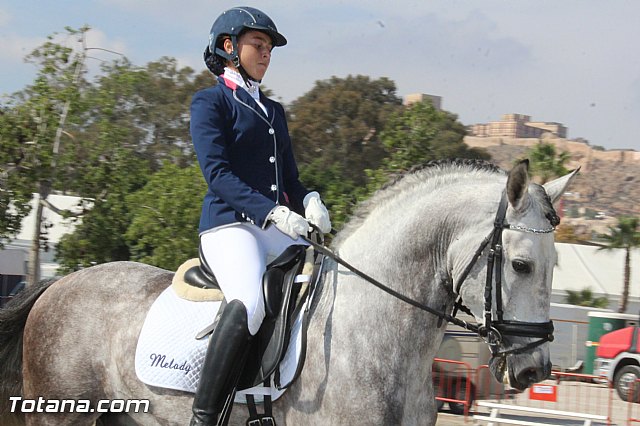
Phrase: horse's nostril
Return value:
(528, 377)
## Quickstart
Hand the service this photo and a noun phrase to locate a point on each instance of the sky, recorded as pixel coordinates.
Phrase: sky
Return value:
(576, 62)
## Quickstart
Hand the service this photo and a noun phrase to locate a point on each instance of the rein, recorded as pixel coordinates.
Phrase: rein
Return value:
(493, 330)
(449, 318)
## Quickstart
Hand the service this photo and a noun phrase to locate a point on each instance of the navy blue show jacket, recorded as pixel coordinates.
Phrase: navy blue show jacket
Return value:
(245, 156)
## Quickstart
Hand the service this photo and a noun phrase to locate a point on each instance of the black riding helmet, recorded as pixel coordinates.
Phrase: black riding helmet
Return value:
(232, 23)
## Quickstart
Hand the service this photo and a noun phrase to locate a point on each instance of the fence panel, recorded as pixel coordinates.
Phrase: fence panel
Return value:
(633, 409)
(458, 384)
(570, 392)
(452, 381)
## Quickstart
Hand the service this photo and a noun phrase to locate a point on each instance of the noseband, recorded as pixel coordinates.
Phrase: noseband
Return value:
(495, 328)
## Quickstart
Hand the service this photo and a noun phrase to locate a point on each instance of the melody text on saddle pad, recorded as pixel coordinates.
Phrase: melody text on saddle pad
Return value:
(159, 360)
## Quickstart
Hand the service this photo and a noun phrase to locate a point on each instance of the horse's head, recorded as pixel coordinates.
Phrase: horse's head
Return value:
(517, 264)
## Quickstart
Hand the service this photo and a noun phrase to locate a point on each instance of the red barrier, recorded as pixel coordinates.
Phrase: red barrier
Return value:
(453, 384)
(456, 383)
(489, 387)
(569, 392)
(633, 409)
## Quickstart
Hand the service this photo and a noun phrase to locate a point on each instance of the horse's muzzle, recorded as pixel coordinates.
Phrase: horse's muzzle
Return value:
(520, 370)
(527, 376)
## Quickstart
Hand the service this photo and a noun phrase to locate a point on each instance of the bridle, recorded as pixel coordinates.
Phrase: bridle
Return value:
(494, 329)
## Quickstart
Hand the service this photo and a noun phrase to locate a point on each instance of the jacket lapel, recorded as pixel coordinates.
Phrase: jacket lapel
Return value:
(245, 97)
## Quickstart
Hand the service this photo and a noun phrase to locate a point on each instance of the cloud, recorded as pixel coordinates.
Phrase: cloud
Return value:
(103, 47)
(421, 52)
(161, 10)
(5, 17)
(484, 59)
(16, 47)
(16, 73)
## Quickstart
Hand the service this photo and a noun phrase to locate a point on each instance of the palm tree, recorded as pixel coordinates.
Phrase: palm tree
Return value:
(624, 235)
(546, 163)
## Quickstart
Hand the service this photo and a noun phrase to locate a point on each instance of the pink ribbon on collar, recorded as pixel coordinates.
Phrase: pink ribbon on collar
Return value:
(230, 84)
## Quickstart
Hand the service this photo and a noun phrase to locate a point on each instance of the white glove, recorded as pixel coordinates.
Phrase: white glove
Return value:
(291, 223)
(316, 213)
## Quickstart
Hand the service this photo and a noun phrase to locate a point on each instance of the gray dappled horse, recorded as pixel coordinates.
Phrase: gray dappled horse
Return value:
(369, 354)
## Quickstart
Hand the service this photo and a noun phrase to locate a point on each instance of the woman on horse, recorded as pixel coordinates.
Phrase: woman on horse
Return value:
(243, 147)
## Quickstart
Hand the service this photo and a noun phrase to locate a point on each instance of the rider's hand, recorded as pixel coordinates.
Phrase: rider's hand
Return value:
(291, 223)
(316, 213)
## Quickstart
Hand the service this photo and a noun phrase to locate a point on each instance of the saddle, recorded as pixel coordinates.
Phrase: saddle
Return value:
(286, 287)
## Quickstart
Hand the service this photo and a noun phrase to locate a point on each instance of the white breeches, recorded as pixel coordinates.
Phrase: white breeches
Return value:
(238, 256)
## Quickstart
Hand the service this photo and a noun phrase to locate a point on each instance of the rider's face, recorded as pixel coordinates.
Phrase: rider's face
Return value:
(254, 49)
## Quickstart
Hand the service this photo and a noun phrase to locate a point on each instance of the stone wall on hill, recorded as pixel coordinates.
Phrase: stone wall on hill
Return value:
(608, 183)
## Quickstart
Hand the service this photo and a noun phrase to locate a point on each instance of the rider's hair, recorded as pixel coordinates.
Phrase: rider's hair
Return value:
(216, 63)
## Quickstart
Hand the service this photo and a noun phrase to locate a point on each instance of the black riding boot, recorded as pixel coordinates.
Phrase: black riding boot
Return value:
(222, 364)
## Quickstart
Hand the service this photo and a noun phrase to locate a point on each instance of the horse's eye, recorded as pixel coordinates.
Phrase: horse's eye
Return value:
(521, 266)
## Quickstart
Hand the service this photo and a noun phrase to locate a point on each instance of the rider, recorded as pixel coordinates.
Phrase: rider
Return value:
(243, 147)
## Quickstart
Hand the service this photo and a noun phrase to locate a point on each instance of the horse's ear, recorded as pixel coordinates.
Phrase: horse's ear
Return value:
(518, 185)
(556, 187)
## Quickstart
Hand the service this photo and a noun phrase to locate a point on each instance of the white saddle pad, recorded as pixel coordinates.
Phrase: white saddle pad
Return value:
(169, 356)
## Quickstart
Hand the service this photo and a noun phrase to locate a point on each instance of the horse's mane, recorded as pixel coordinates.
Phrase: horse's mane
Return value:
(433, 174)
(429, 175)
(444, 167)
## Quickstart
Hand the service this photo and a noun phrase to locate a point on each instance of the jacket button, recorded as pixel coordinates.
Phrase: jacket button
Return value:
(274, 188)
(272, 159)
(271, 131)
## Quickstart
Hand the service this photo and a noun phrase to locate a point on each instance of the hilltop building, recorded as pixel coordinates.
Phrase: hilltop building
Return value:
(517, 126)
(436, 101)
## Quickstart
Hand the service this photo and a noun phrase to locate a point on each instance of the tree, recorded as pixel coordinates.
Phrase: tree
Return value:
(162, 99)
(138, 116)
(15, 187)
(546, 163)
(115, 167)
(165, 214)
(36, 159)
(99, 236)
(337, 124)
(418, 134)
(625, 235)
(338, 194)
(98, 141)
(585, 297)
(151, 130)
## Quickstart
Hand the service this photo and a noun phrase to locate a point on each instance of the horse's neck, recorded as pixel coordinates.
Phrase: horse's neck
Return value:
(359, 335)
(410, 245)
(406, 254)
